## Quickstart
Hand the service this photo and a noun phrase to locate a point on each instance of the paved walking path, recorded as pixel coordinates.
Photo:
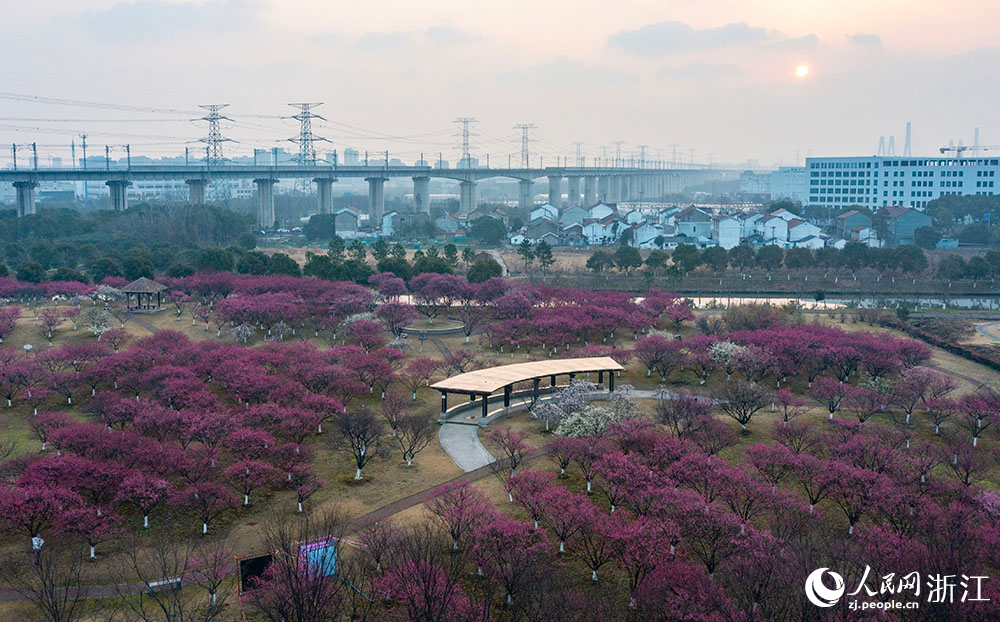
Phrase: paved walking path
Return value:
(499, 258)
(981, 329)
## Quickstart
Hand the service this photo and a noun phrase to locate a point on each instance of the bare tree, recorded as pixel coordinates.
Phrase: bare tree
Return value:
(361, 431)
(741, 400)
(414, 432)
(52, 582)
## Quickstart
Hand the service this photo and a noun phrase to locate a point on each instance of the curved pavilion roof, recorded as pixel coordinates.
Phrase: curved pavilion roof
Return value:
(486, 381)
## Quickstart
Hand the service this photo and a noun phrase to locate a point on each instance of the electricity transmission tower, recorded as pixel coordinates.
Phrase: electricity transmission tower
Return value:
(579, 153)
(525, 127)
(618, 151)
(642, 156)
(213, 142)
(466, 161)
(306, 140)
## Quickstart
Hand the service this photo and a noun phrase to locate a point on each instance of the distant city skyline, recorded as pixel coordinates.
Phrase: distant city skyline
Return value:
(721, 77)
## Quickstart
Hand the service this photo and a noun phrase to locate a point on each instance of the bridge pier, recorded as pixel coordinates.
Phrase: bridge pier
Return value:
(526, 194)
(376, 200)
(467, 198)
(640, 187)
(196, 191)
(265, 202)
(603, 189)
(25, 197)
(119, 196)
(589, 191)
(573, 191)
(555, 190)
(324, 194)
(615, 189)
(422, 195)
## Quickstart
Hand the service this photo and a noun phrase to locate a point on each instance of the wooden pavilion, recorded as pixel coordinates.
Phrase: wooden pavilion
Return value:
(484, 382)
(143, 289)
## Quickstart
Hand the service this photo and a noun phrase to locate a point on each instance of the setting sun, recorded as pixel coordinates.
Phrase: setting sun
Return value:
(802, 71)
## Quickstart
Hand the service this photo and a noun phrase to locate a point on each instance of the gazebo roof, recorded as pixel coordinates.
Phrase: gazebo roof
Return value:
(142, 285)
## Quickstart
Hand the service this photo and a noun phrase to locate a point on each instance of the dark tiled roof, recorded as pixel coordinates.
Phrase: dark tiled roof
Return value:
(142, 285)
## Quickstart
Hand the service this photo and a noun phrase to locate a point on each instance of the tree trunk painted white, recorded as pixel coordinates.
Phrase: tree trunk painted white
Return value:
(246, 499)
(145, 521)
(357, 474)
(300, 506)
(92, 555)
(204, 528)
(593, 575)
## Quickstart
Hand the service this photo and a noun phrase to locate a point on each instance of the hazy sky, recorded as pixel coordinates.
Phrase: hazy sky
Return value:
(717, 76)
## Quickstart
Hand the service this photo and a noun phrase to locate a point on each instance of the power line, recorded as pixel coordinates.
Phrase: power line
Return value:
(306, 139)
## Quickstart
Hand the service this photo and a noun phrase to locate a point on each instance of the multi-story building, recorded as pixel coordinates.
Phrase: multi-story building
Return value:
(790, 182)
(755, 183)
(881, 181)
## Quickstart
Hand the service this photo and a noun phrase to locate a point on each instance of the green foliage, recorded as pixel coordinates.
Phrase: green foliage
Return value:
(179, 271)
(796, 258)
(657, 259)
(252, 262)
(483, 270)
(67, 274)
(543, 253)
(467, 255)
(627, 257)
(716, 257)
(214, 259)
(326, 267)
(103, 268)
(770, 257)
(281, 263)
(451, 254)
(320, 227)
(396, 265)
(336, 247)
(926, 237)
(951, 267)
(487, 230)
(134, 267)
(397, 251)
(526, 252)
(380, 249)
(600, 260)
(686, 256)
(742, 256)
(427, 263)
(31, 271)
(357, 251)
(247, 240)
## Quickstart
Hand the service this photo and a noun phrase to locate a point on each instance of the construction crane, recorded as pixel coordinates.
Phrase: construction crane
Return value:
(961, 149)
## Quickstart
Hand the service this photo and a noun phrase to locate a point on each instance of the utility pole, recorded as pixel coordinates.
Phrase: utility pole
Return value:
(691, 157)
(642, 156)
(83, 137)
(466, 134)
(604, 155)
(673, 158)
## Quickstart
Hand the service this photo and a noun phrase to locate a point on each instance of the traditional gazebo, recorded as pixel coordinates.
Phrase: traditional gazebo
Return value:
(143, 288)
(484, 382)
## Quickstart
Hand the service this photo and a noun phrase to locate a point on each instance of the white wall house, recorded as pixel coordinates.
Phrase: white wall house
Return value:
(601, 211)
(800, 229)
(774, 230)
(726, 231)
(694, 222)
(546, 211)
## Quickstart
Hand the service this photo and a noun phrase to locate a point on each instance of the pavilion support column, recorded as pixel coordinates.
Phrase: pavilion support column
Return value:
(553, 379)
(506, 396)
(486, 403)
(534, 388)
(611, 382)
(25, 197)
(600, 377)
(444, 403)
